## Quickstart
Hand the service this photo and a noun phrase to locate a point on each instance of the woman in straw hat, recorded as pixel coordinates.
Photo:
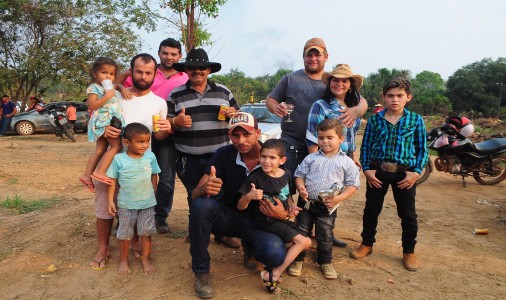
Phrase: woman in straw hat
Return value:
(341, 92)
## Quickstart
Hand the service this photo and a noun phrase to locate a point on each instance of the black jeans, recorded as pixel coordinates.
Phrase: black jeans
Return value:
(166, 155)
(405, 201)
(209, 216)
(324, 225)
(190, 169)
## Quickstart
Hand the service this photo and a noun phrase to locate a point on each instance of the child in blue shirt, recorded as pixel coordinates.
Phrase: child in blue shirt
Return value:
(135, 170)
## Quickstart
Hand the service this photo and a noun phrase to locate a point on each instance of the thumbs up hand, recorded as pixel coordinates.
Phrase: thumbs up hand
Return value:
(183, 120)
(213, 185)
(254, 193)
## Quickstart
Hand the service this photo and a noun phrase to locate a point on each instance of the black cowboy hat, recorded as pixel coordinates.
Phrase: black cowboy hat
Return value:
(197, 58)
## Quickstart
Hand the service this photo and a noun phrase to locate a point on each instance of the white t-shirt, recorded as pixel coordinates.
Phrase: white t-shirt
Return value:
(141, 109)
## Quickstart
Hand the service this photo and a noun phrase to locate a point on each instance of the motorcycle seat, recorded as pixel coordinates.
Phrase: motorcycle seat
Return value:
(491, 146)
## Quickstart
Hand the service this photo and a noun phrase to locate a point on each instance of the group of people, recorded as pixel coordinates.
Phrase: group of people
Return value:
(238, 187)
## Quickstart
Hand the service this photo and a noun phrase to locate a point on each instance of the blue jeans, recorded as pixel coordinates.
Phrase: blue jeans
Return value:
(6, 122)
(209, 216)
(405, 201)
(190, 170)
(166, 156)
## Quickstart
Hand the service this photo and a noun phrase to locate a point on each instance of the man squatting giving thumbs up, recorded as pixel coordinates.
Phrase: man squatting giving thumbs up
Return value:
(219, 215)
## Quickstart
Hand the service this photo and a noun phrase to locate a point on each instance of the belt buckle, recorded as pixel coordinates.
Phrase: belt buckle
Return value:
(389, 167)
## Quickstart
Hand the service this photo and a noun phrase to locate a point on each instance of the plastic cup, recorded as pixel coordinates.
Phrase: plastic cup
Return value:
(107, 84)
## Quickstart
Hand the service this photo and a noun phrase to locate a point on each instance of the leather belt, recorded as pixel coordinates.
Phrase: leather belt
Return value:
(390, 167)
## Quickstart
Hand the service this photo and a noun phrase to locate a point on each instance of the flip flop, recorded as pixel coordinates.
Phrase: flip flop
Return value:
(105, 180)
(137, 253)
(88, 184)
(270, 285)
(99, 262)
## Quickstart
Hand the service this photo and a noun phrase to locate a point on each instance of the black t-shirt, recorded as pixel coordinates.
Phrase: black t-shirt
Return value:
(278, 187)
(232, 174)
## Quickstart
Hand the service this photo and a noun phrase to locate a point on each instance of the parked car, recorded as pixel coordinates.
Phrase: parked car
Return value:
(26, 123)
(269, 123)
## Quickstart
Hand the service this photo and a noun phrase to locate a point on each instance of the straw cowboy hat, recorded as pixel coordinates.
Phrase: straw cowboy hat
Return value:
(197, 58)
(343, 71)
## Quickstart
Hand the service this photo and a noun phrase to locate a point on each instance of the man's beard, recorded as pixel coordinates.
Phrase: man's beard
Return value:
(141, 85)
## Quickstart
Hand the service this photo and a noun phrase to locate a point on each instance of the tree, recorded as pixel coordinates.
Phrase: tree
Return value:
(189, 17)
(51, 43)
(479, 87)
(429, 94)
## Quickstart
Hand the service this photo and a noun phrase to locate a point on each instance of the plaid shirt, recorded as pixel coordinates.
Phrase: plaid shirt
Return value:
(321, 110)
(404, 143)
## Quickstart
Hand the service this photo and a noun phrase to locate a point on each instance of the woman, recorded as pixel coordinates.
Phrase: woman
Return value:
(340, 94)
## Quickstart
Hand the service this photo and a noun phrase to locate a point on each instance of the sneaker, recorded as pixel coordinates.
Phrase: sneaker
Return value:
(161, 226)
(328, 271)
(361, 252)
(295, 268)
(203, 286)
(410, 262)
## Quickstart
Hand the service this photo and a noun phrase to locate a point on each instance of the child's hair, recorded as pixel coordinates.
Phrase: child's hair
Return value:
(398, 82)
(276, 145)
(100, 61)
(170, 42)
(135, 128)
(352, 97)
(328, 124)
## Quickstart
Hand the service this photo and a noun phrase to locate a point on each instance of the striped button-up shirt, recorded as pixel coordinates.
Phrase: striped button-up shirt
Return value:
(321, 172)
(207, 133)
(321, 110)
(403, 143)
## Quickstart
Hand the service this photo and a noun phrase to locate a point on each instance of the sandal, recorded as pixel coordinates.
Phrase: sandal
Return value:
(103, 179)
(88, 184)
(270, 285)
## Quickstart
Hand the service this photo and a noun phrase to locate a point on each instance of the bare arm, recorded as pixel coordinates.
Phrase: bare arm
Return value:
(352, 113)
(154, 181)
(208, 185)
(276, 107)
(254, 194)
(111, 207)
(95, 103)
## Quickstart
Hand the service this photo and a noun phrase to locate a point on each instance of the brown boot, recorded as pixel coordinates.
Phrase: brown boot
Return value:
(361, 252)
(410, 261)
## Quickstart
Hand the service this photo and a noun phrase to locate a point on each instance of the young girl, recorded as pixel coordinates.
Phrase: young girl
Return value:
(341, 93)
(101, 98)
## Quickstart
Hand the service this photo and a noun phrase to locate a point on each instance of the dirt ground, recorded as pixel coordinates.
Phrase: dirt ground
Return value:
(455, 264)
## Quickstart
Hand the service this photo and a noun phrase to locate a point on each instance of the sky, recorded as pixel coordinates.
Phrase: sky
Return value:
(258, 37)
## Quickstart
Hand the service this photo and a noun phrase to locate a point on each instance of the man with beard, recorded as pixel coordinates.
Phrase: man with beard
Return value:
(143, 105)
(166, 79)
(199, 111)
(301, 89)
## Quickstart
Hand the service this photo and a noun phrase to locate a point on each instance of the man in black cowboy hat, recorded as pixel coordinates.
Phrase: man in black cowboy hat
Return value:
(199, 111)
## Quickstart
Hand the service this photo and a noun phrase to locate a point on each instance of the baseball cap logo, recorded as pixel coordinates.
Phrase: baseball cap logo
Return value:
(239, 118)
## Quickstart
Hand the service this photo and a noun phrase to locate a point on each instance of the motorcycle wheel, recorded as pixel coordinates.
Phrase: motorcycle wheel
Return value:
(490, 175)
(425, 172)
(70, 134)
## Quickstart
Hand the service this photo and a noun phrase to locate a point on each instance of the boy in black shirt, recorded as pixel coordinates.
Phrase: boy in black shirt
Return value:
(264, 185)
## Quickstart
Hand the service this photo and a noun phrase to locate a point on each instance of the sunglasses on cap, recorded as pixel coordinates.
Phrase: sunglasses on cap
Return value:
(195, 68)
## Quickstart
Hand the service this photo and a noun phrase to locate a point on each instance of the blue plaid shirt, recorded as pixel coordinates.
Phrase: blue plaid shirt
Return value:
(321, 110)
(403, 143)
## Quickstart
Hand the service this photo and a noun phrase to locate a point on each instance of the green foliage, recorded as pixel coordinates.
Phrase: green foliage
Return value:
(372, 90)
(244, 88)
(479, 86)
(429, 94)
(51, 43)
(188, 18)
(21, 206)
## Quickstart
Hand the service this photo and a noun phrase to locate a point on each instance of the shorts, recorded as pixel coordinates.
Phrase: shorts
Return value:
(101, 202)
(285, 230)
(144, 218)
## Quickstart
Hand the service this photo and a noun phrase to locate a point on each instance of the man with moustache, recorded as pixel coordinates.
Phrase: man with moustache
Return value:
(166, 79)
(200, 127)
(143, 105)
(302, 88)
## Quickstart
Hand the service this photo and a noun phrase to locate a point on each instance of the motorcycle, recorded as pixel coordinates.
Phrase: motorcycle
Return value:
(59, 121)
(459, 156)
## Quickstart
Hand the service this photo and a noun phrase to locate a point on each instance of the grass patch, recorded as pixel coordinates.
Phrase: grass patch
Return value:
(13, 180)
(21, 206)
(178, 234)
